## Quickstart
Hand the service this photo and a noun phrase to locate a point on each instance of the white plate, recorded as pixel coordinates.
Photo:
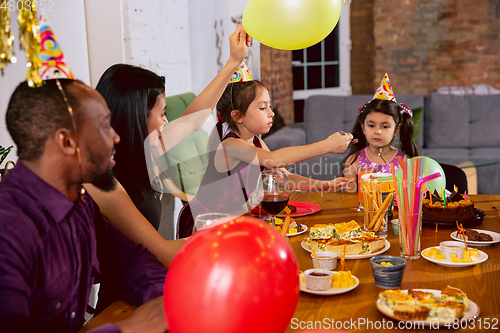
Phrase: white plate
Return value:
(328, 292)
(303, 227)
(494, 235)
(471, 313)
(482, 258)
(352, 256)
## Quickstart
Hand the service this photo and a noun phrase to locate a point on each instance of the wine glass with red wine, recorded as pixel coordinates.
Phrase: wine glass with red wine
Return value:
(275, 192)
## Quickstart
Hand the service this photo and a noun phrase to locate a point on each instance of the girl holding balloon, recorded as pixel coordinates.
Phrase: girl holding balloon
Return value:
(237, 155)
(378, 123)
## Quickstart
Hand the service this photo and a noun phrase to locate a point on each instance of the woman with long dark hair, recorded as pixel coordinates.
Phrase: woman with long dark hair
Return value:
(136, 98)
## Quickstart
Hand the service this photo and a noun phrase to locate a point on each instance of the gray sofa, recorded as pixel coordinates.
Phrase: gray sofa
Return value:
(452, 129)
(465, 128)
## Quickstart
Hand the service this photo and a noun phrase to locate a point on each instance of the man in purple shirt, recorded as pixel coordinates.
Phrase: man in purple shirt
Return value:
(54, 243)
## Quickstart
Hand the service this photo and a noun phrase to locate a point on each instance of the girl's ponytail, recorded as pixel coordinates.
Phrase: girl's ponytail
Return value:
(408, 145)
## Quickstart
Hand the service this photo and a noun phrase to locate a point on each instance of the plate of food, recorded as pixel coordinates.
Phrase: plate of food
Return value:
(362, 255)
(430, 255)
(297, 208)
(328, 292)
(477, 237)
(294, 228)
(301, 228)
(358, 244)
(428, 307)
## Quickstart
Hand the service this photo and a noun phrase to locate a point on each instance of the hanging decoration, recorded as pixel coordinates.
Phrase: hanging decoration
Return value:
(6, 40)
(29, 38)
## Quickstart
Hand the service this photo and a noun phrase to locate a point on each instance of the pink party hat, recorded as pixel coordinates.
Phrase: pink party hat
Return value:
(242, 74)
(52, 63)
(384, 91)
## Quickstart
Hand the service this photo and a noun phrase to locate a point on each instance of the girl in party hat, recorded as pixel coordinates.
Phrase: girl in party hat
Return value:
(378, 123)
(238, 155)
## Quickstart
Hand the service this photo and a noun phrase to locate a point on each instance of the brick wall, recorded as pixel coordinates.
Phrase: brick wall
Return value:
(426, 44)
(363, 47)
(276, 73)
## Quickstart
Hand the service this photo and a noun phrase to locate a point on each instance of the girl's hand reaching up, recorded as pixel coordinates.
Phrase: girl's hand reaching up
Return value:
(338, 142)
(238, 42)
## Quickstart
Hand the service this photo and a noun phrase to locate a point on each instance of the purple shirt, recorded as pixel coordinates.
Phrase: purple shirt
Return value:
(52, 250)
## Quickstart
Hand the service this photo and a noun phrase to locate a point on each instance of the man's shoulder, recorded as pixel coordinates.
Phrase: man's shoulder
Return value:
(19, 211)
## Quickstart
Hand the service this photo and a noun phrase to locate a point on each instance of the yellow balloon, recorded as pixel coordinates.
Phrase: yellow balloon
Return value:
(291, 24)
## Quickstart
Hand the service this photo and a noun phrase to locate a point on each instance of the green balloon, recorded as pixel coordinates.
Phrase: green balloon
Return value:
(428, 167)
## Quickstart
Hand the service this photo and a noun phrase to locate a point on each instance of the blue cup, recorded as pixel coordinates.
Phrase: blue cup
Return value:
(387, 276)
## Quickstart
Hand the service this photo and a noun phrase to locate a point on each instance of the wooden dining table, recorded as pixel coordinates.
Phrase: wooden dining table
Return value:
(356, 310)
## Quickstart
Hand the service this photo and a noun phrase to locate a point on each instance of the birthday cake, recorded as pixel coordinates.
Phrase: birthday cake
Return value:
(456, 209)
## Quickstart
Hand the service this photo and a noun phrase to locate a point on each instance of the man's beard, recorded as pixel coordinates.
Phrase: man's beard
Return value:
(105, 181)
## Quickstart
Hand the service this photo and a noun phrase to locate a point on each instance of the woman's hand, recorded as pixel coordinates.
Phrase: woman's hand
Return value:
(338, 142)
(238, 42)
(337, 184)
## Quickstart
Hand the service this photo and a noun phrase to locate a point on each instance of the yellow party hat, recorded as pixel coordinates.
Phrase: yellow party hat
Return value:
(384, 91)
(242, 74)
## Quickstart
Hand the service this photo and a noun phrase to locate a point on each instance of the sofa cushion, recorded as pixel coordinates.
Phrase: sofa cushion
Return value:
(176, 105)
(447, 155)
(485, 154)
(325, 115)
(292, 135)
(325, 167)
(447, 121)
(485, 121)
(187, 161)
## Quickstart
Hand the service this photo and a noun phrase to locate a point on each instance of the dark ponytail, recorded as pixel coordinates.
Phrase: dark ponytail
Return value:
(408, 145)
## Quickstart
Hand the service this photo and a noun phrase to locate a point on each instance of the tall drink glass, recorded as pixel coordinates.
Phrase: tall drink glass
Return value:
(410, 232)
(206, 219)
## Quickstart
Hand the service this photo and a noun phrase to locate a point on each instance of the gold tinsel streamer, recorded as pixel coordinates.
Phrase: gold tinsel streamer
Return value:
(29, 38)
(6, 40)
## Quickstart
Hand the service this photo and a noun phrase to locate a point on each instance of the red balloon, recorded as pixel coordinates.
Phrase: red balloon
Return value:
(240, 276)
(322, 331)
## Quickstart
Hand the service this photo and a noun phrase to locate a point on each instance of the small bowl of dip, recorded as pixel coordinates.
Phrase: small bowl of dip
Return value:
(449, 247)
(326, 259)
(318, 279)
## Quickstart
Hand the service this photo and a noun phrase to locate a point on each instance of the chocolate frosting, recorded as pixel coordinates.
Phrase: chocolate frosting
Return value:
(455, 197)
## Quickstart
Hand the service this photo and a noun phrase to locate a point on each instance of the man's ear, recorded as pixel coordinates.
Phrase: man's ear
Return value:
(236, 115)
(65, 141)
(396, 131)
